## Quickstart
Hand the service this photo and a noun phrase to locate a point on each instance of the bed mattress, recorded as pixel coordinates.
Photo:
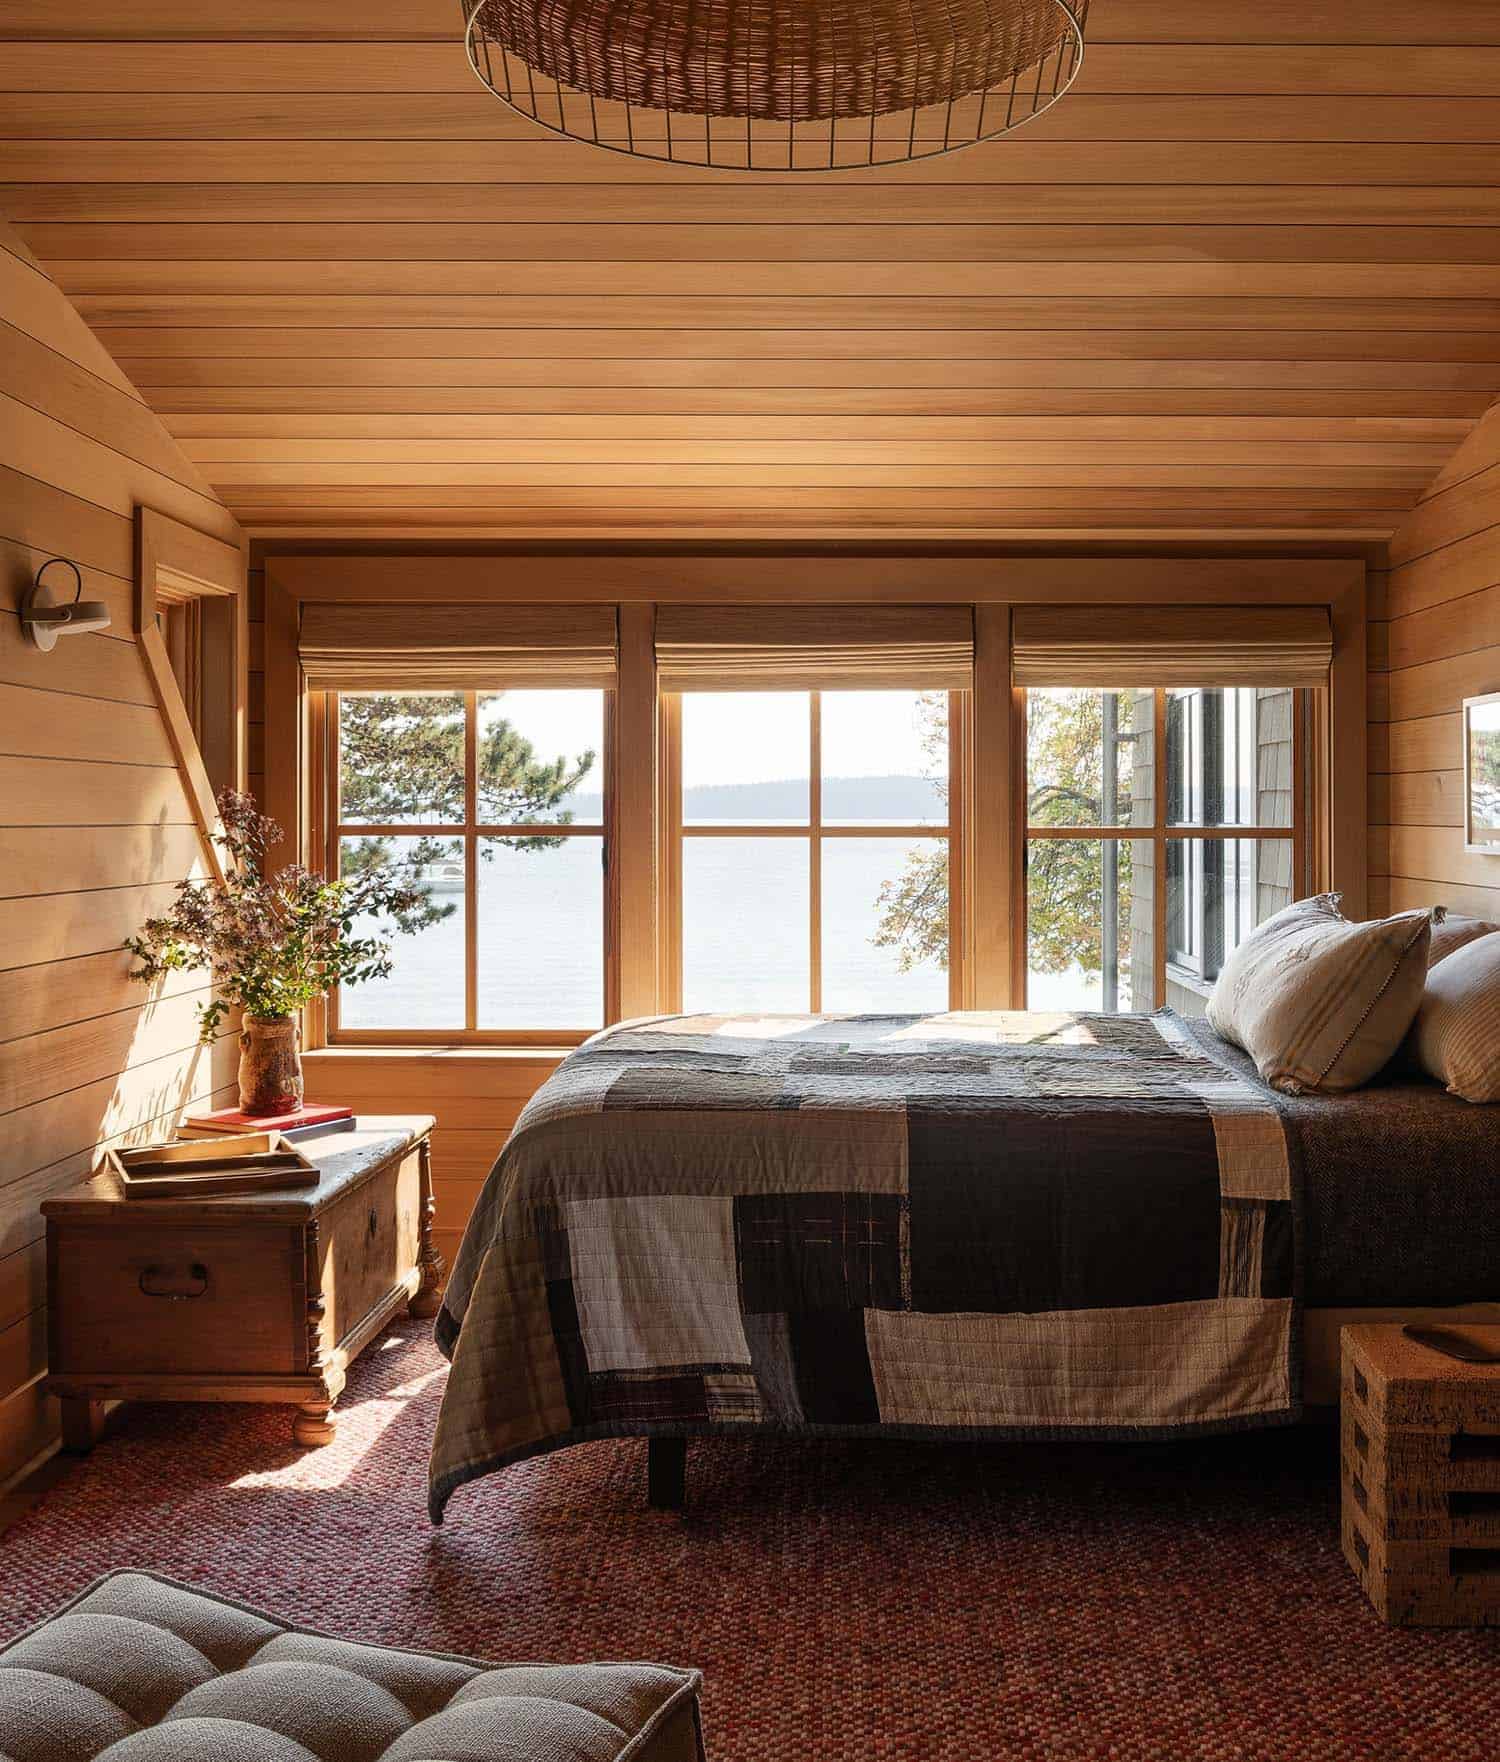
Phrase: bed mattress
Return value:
(974, 1224)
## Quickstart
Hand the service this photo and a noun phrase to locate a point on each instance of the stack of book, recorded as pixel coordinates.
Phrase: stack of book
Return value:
(309, 1121)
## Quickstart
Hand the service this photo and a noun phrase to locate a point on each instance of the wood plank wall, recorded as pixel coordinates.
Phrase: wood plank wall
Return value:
(1434, 640)
(95, 825)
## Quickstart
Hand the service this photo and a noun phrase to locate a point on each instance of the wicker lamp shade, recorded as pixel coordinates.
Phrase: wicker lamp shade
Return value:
(778, 85)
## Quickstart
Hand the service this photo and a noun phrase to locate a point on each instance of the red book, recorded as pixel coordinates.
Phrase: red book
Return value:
(230, 1119)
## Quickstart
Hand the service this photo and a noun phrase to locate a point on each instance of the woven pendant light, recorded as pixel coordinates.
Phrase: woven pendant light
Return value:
(778, 85)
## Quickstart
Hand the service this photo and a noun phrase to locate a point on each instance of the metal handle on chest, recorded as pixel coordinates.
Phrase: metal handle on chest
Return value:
(155, 1281)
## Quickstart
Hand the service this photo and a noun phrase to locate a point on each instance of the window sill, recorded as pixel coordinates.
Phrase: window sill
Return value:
(492, 1055)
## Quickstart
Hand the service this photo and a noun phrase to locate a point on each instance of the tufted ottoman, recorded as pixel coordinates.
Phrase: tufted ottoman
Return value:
(139, 1669)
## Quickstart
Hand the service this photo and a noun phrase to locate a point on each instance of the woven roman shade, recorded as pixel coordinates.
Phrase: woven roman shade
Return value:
(1109, 646)
(814, 648)
(348, 646)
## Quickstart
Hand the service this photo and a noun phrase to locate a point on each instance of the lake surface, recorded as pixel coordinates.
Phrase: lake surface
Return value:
(745, 922)
(745, 938)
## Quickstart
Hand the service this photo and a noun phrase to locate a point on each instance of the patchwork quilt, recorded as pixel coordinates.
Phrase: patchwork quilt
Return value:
(972, 1224)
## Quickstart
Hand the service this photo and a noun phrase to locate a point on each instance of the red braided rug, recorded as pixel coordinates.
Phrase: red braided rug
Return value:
(846, 1604)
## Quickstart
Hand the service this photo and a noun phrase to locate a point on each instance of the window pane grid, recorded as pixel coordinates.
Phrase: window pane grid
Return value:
(832, 944)
(458, 828)
(749, 829)
(815, 851)
(1184, 829)
(1197, 880)
(465, 833)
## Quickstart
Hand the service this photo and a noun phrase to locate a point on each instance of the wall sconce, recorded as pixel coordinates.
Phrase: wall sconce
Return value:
(44, 620)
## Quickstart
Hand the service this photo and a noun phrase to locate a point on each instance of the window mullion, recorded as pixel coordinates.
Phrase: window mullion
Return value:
(1159, 842)
(669, 852)
(956, 844)
(330, 811)
(1301, 812)
(815, 850)
(471, 862)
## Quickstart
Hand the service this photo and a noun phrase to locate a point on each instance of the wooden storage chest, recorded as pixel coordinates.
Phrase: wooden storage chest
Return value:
(265, 1296)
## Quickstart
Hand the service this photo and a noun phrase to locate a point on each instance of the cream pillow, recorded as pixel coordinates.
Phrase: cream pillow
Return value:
(1458, 1025)
(1453, 934)
(1319, 1002)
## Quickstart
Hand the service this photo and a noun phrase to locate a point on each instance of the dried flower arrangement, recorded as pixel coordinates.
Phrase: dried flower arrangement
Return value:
(272, 943)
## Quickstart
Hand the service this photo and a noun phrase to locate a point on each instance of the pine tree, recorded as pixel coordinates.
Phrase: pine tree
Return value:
(401, 760)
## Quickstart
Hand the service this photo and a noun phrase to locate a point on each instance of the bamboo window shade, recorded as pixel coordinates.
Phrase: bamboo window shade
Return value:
(1113, 646)
(347, 646)
(814, 648)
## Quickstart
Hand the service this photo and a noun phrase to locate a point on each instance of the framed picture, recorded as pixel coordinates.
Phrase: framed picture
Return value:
(1482, 775)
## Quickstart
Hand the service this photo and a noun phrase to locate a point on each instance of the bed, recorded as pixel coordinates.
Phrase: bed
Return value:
(964, 1225)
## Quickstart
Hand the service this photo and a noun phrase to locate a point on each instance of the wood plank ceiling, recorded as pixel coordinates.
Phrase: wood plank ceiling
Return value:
(1245, 278)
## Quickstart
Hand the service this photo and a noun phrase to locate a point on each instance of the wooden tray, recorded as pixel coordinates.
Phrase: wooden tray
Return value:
(203, 1167)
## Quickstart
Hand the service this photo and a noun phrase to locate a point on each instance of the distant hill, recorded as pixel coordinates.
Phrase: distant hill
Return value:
(844, 798)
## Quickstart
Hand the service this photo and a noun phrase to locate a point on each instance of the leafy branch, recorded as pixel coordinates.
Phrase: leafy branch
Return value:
(273, 943)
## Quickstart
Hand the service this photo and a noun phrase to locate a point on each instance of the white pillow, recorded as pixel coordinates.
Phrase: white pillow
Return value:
(1454, 933)
(1318, 1002)
(1458, 1026)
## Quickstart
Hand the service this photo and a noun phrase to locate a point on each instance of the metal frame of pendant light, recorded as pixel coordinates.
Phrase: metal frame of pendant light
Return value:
(585, 69)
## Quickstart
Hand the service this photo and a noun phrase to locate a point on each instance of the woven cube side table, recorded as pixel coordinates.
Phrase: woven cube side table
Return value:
(1420, 1468)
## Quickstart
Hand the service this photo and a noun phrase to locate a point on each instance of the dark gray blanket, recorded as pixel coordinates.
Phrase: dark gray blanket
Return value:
(1401, 1190)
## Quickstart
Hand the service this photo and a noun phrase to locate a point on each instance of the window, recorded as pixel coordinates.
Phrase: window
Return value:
(806, 850)
(1135, 893)
(493, 804)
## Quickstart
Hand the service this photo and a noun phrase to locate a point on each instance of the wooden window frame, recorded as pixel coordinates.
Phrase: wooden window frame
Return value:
(671, 834)
(1162, 832)
(994, 584)
(197, 581)
(469, 831)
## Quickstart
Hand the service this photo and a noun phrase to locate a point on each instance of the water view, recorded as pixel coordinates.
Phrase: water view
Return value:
(774, 787)
(745, 938)
(747, 913)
